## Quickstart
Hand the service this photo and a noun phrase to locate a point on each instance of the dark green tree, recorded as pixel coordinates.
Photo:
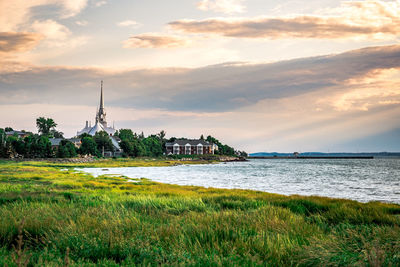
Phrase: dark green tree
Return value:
(126, 134)
(66, 149)
(84, 135)
(153, 146)
(20, 147)
(8, 129)
(88, 147)
(103, 140)
(42, 147)
(10, 146)
(141, 135)
(222, 149)
(2, 143)
(127, 147)
(133, 148)
(162, 135)
(45, 125)
(29, 145)
(56, 134)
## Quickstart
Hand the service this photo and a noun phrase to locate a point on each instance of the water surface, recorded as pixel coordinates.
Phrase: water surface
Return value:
(358, 179)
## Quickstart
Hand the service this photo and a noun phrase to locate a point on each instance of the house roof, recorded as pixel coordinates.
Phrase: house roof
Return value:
(55, 141)
(192, 142)
(17, 132)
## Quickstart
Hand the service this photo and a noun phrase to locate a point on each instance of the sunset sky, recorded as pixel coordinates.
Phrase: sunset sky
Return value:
(287, 75)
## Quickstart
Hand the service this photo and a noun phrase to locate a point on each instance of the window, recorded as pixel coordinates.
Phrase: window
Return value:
(200, 149)
(176, 149)
(188, 149)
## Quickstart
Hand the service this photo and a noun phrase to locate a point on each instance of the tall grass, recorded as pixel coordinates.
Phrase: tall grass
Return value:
(106, 221)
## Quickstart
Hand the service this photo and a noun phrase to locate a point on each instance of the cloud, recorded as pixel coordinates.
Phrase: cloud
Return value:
(51, 29)
(223, 6)
(128, 23)
(57, 35)
(100, 3)
(18, 41)
(150, 40)
(18, 13)
(367, 19)
(218, 88)
(82, 22)
(72, 7)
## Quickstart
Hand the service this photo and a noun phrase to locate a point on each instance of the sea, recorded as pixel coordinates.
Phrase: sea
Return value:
(363, 180)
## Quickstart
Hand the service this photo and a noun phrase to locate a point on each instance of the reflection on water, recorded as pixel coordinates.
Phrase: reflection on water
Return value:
(359, 179)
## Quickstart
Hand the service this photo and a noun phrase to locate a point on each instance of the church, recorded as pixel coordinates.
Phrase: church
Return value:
(101, 124)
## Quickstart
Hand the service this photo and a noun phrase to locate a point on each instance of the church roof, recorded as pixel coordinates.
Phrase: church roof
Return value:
(96, 128)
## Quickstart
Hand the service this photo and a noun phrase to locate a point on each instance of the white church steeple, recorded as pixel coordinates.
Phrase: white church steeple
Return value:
(101, 114)
(100, 122)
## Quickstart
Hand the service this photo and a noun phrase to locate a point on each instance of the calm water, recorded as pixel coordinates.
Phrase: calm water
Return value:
(359, 179)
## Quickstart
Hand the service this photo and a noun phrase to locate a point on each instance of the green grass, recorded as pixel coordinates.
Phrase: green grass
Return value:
(107, 221)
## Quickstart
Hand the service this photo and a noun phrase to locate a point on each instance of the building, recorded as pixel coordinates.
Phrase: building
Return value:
(55, 142)
(101, 124)
(189, 147)
(76, 141)
(20, 134)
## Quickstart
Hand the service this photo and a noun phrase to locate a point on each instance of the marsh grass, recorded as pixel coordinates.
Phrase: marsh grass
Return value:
(106, 221)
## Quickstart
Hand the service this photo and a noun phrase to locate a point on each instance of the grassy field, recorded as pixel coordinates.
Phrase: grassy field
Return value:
(54, 217)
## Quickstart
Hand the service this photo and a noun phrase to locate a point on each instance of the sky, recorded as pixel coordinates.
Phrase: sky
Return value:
(285, 76)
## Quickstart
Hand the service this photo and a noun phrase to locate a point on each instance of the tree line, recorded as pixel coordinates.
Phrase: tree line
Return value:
(39, 145)
(133, 144)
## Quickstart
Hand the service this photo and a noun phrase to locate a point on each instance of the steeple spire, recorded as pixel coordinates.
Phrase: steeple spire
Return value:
(101, 99)
(101, 114)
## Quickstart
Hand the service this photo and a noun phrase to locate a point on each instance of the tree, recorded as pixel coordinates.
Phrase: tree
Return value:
(8, 129)
(103, 141)
(162, 135)
(126, 134)
(56, 134)
(127, 147)
(66, 149)
(2, 143)
(10, 146)
(222, 149)
(153, 146)
(141, 135)
(41, 147)
(29, 145)
(45, 125)
(84, 135)
(20, 147)
(88, 146)
(133, 148)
